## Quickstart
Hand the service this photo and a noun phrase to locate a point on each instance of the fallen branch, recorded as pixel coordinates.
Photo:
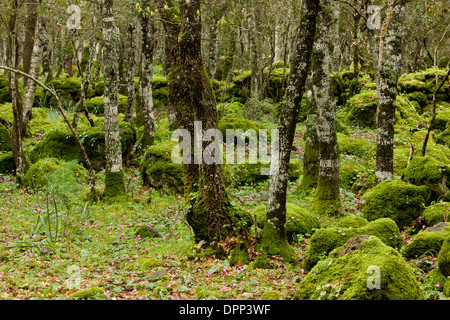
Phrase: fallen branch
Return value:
(61, 110)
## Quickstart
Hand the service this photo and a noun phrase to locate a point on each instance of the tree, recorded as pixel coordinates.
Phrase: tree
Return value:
(389, 57)
(114, 181)
(273, 238)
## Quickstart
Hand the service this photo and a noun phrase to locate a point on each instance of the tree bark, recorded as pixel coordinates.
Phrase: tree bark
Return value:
(327, 199)
(130, 71)
(273, 239)
(30, 32)
(145, 82)
(390, 54)
(114, 181)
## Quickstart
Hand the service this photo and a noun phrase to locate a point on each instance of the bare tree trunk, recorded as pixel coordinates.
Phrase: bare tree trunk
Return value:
(145, 82)
(114, 181)
(30, 32)
(327, 199)
(390, 55)
(273, 239)
(34, 70)
(130, 70)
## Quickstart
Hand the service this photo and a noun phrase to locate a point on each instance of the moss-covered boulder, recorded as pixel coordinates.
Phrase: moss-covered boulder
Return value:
(352, 222)
(434, 280)
(5, 139)
(298, 221)
(149, 263)
(93, 293)
(363, 106)
(444, 137)
(271, 295)
(424, 243)
(4, 91)
(349, 174)
(444, 257)
(96, 105)
(398, 200)
(442, 119)
(419, 97)
(426, 171)
(325, 240)
(62, 145)
(146, 232)
(354, 146)
(159, 171)
(66, 88)
(364, 268)
(40, 174)
(435, 213)
(423, 81)
(7, 163)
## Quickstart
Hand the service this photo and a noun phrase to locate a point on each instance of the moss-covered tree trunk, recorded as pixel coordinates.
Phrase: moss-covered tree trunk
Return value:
(114, 182)
(327, 199)
(130, 70)
(29, 37)
(145, 82)
(311, 154)
(273, 239)
(390, 55)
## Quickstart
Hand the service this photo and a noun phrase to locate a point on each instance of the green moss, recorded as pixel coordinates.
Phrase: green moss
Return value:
(327, 200)
(41, 173)
(67, 89)
(271, 295)
(447, 288)
(62, 145)
(434, 280)
(93, 293)
(349, 174)
(424, 243)
(159, 171)
(398, 200)
(444, 137)
(426, 171)
(444, 257)
(7, 163)
(346, 274)
(298, 221)
(96, 105)
(442, 119)
(353, 146)
(436, 213)
(271, 244)
(151, 263)
(114, 185)
(352, 222)
(146, 232)
(325, 240)
(239, 254)
(5, 139)
(419, 97)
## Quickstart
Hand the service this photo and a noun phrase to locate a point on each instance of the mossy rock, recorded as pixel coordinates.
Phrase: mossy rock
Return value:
(271, 295)
(96, 105)
(93, 293)
(5, 139)
(444, 137)
(67, 88)
(38, 174)
(325, 240)
(249, 173)
(435, 213)
(363, 106)
(4, 91)
(158, 169)
(146, 232)
(352, 222)
(239, 254)
(298, 221)
(62, 145)
(419, 97)
(426, 171)
(235, 123)
(446, 290)
(349, 174)
(444, 257)
(424, 243)
(230, 109)
(357, 147)
(435, 280)
(442, 120)
(398, 200)
(349, 273)
(150, 263)
(7, 163)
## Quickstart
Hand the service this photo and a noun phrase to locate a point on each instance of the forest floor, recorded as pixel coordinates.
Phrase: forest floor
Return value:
(96, 245)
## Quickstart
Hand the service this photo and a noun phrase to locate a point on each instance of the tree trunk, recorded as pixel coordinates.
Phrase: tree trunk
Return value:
(327, 199)
(390, 55)
(30, 32)
(114, 181)
(311, 153)
(130, 70)
(34, 69)
(273, 239)
(145, 82)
